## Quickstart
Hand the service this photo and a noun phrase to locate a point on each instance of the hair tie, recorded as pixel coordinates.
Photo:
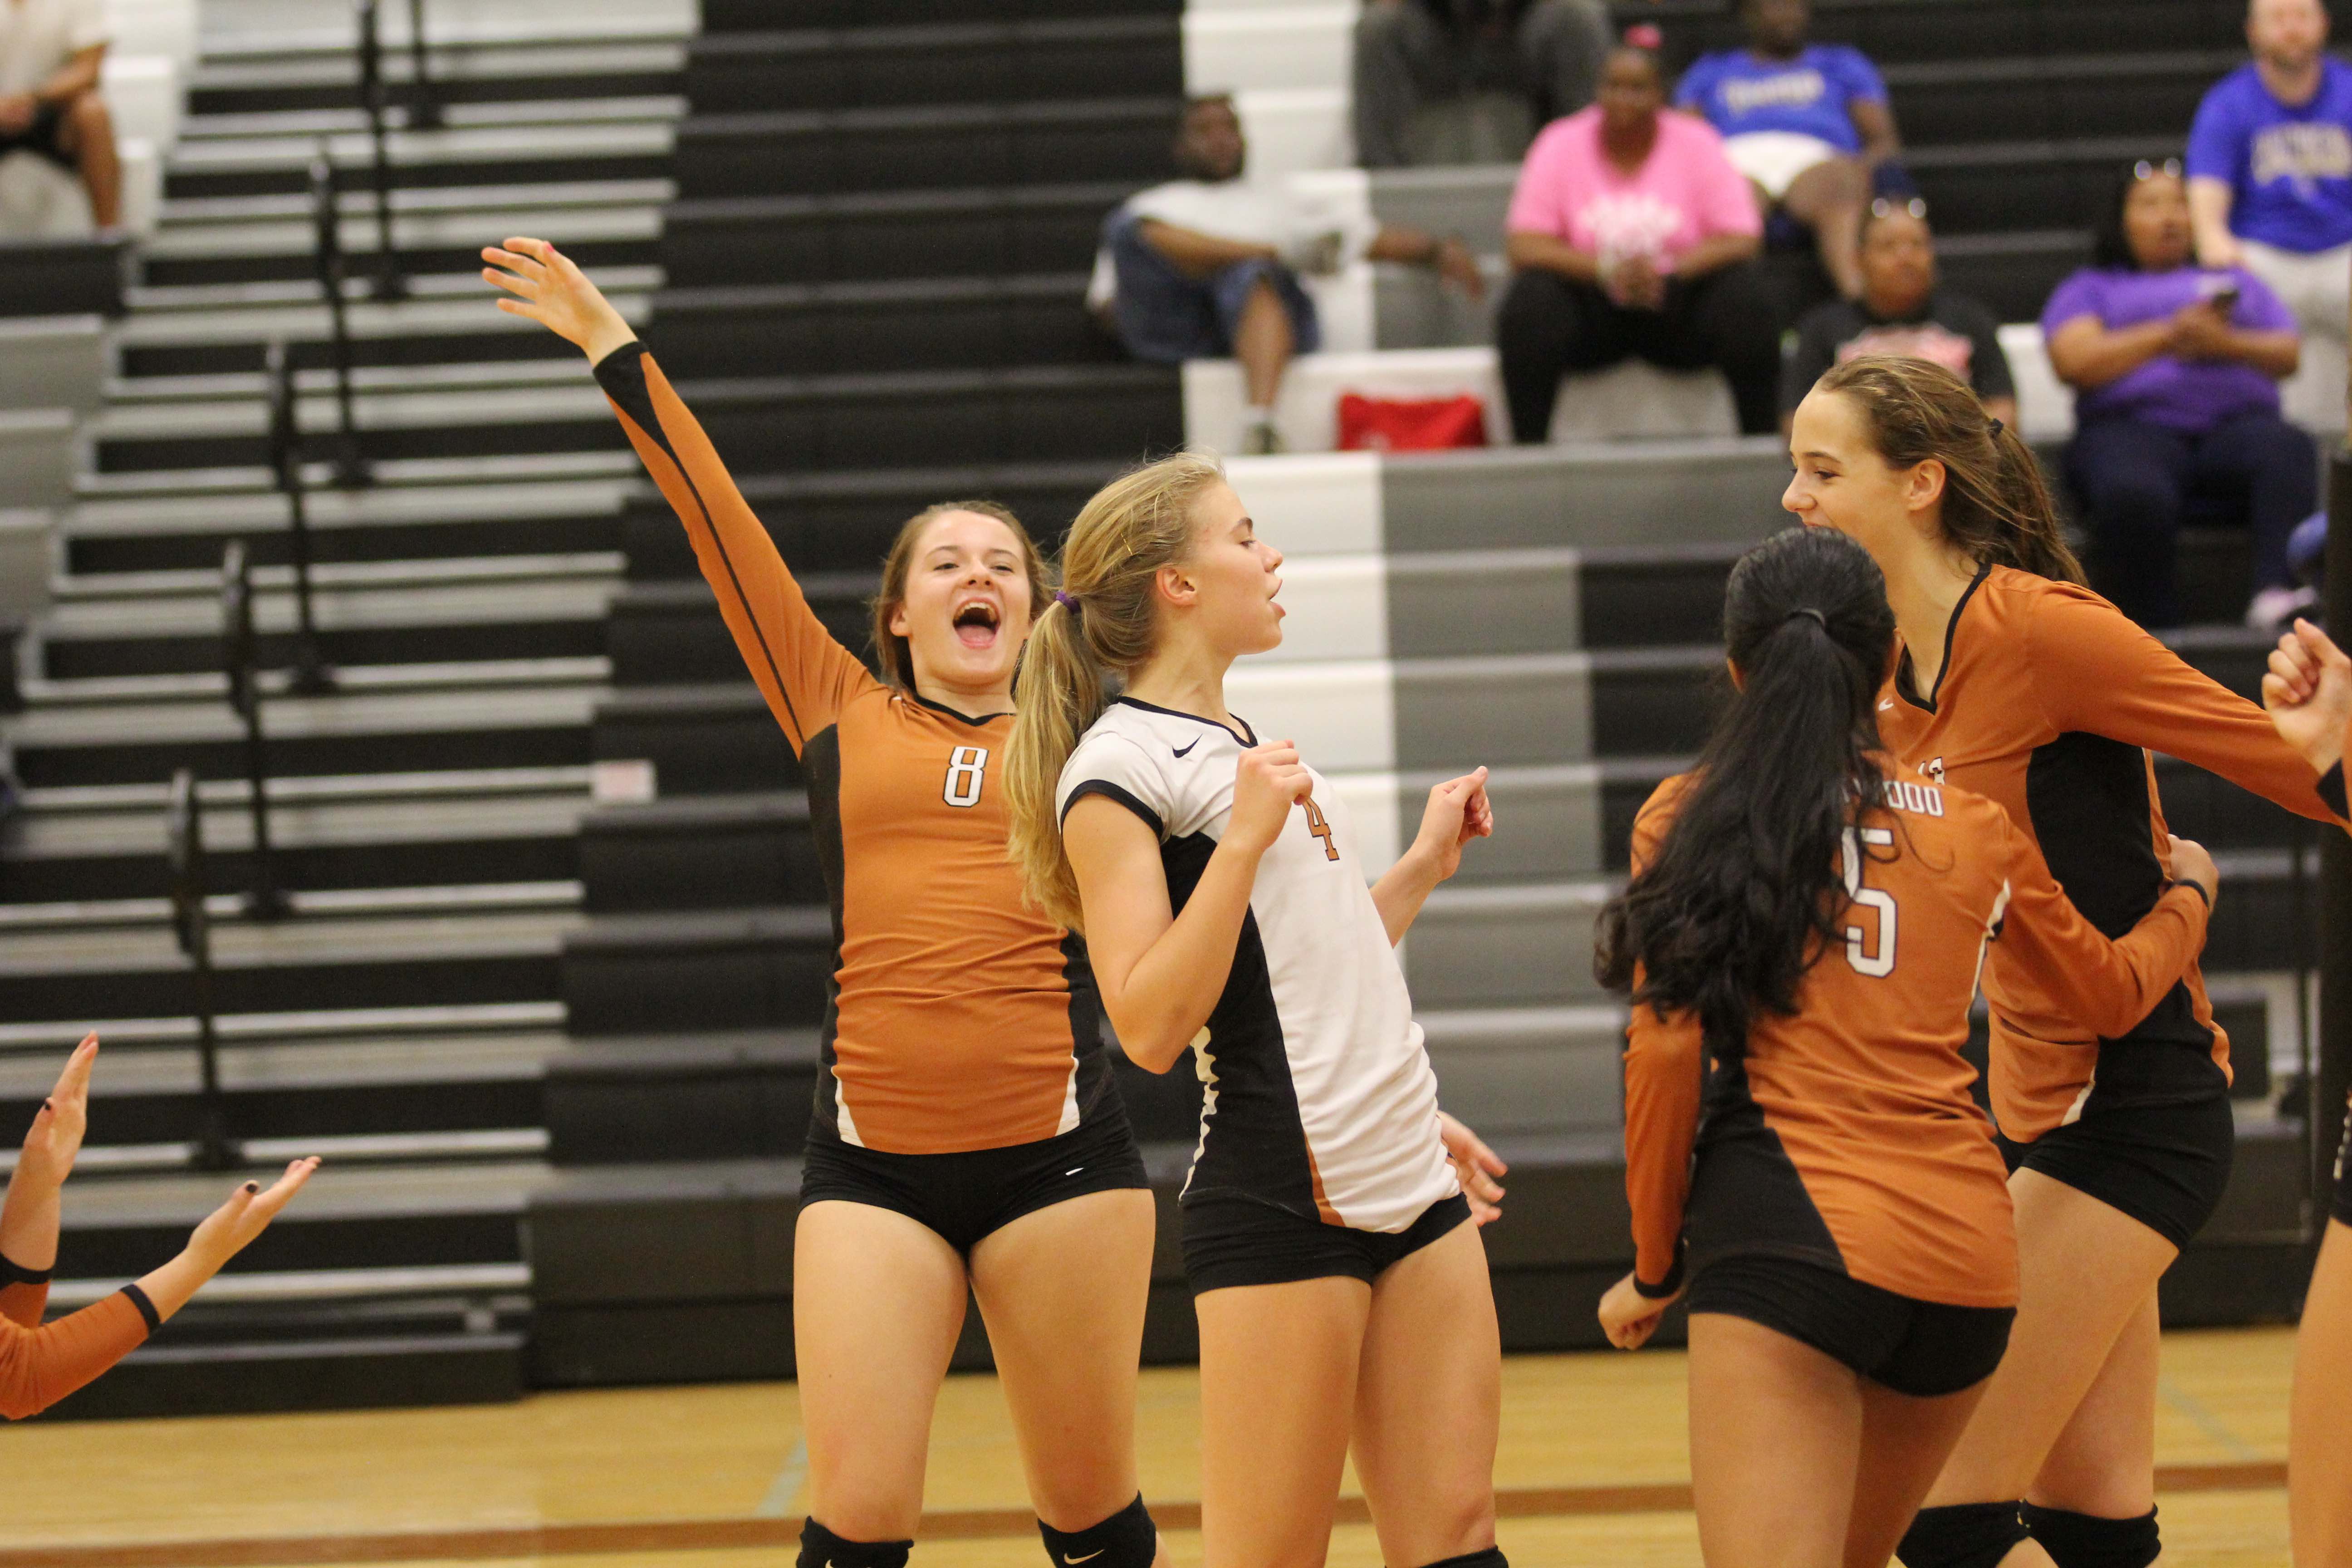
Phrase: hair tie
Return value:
(1066, 600)
(1815, 615)
(1997, 428)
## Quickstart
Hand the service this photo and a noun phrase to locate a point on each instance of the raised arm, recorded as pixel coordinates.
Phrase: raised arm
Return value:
(2106, 986)
(1459, 811)
(2096, 672)
(28, 1217)
(806, 675)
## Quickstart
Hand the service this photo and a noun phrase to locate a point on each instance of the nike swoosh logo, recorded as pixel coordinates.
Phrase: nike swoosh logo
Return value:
(1195, 743)
(1100, 1550)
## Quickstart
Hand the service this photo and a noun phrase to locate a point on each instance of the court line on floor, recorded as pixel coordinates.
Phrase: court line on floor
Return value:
(719, 1534)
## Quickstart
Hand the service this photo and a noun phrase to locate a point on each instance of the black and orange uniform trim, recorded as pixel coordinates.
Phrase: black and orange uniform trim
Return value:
(1845, 1188)
(960, 1025)
(2331, 789)
(40, 1363)
(2048, 704)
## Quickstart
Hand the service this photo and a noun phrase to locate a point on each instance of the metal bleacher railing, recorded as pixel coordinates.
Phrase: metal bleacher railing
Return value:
(311, 676)
(352, 467)
(191, 925)
(424, 113)
(241, 655)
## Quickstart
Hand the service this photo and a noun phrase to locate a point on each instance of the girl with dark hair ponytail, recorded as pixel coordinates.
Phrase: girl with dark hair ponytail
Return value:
(2019, 684)
(1801, 941)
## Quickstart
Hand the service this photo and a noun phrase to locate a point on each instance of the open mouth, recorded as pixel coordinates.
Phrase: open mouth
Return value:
(976, 623)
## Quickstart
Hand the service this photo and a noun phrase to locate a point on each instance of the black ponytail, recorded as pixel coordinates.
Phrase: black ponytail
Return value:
(1749, 883)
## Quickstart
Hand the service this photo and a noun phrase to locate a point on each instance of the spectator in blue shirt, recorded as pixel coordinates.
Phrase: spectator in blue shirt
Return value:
(2270, 184)
(1807, 123)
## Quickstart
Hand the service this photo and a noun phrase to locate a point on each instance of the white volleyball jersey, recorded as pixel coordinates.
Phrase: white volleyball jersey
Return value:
(1320, 1098)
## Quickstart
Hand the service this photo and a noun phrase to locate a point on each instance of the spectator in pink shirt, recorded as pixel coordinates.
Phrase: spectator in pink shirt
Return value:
(1633, 235)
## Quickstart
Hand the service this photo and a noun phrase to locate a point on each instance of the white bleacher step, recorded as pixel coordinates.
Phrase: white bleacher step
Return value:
(429, 220)
(366, 1192)
(650, 133)
(513, 473)
(361, 1026)
(373, 1149)
(306, 317)
(355, 789)
(528, 377)
(573, 397)
(53, 362)
(350, 903)
(598, 566)
(1512, 1070)
(492, 708)
(271, 128)
(40, 835)
(1233, 48)
(560, 681)
(366, 1061)
(1630, 401)
(249, 946)
(327, 1284)
(266, 28)
(336, 606)
(242, 68)
(1527, 945)
(39, 457)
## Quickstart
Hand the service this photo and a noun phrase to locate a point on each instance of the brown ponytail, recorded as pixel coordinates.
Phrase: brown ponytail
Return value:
(1102, 620)
(1997, 507)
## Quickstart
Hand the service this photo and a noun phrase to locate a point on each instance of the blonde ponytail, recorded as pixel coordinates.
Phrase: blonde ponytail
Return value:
(1102, 620)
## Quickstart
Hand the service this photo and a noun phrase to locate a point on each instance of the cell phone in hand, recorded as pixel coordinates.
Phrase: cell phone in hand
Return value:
(2224, 303)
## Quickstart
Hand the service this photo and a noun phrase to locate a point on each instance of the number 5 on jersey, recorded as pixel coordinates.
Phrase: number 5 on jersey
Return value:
(1877, 959)
(967, 769)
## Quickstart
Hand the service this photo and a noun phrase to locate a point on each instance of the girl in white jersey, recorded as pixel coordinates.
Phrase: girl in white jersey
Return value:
(1342, 1301)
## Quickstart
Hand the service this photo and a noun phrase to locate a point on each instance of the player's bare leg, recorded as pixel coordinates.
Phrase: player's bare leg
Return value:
(1429, 1403)
(2319, 1439)
(1063, 1292)
(1277, 1383)
(1775, 1443)
(1904, 1443)
(877, 1302)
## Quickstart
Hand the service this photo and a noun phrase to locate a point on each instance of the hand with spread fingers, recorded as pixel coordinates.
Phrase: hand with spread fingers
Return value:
(547, 286)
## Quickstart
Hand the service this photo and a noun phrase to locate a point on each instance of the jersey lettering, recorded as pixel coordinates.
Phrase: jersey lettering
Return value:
(1876, 960)
(967, 768)
(1934, 768)
(1319, 826)
(1917, 798)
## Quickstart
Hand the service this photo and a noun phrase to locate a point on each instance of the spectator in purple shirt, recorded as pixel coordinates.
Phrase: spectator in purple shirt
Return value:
(2175, 369)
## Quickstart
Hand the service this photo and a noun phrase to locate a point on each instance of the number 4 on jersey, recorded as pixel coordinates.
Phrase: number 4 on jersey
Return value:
(967, 769)
(1319, 826)
(1875, 960)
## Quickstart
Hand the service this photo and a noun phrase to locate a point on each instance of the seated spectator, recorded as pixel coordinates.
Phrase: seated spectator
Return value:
(2176, 368)
(1902, 312)
(1633, 237)
(1209, 264)
(1807, 123)
(2270, 181)
(50, 51)
(1413, 56)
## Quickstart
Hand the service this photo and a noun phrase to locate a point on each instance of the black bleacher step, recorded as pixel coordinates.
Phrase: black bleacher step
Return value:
(962, 324)
(957, 145)
(329, 1105)
(299, 265)
(471, 529)
(721, 1094)
(553, 740)
(274, 1377)
(2012, 274)
(1113, 413)
(449, 961)
(987, 61)
(702, 740)
(194, 180)
(2091, 95)
(760, 15)
(671, 632)
(422, 346)
(931, 234)
(419, 642)
(1981, 187)
(727, 851)
(846, 522)
(1970, 29)
(378, 1222)
(63, 277)
(2220, 815)
(719, 969)
(422, 437)
(214, 94)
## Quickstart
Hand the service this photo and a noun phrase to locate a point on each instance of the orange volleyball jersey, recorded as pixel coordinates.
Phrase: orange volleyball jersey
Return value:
(40, 1363)
(1843, 1134)
(2048, 702)
(960, 1018)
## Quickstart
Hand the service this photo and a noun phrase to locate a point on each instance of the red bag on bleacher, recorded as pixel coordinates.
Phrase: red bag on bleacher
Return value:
(1400, 425)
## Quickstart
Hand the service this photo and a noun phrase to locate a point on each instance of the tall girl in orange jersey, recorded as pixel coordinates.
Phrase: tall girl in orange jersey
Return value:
(1802, 939)
(2308, 691)
(2018, 683)
(967, 1132)
(40, 1363)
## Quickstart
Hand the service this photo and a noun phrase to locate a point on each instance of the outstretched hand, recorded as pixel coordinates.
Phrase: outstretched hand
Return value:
(57, 1131)
(230, 1229)
(549, 288)
(2308, 693)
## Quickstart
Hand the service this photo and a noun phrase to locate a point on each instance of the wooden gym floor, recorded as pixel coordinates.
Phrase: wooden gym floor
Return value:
(1593, 1470)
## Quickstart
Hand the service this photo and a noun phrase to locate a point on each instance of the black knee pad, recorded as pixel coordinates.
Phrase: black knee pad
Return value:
(1128, 1538)
(821, 1547)
(1491, 1558)
(2087, 1540)
(1965, 1535)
